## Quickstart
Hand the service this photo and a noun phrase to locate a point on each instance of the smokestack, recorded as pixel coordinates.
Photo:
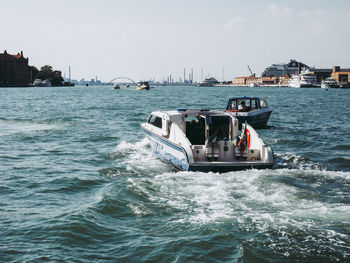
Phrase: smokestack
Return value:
(69, 74)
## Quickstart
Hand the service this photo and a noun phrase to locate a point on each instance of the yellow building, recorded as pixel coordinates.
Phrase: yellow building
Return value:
(341, 75)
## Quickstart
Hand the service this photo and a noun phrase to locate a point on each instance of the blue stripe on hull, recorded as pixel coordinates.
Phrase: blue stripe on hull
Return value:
(168, 152)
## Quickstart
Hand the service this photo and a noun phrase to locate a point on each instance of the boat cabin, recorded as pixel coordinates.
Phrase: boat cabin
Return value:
(245, 104)
(198, 125)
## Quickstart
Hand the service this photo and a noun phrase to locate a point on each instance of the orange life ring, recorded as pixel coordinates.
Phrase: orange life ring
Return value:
(248, 137)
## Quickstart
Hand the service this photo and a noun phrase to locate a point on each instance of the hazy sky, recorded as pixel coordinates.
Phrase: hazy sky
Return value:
(146, 39)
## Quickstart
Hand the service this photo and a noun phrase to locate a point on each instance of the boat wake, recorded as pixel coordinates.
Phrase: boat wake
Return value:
(293, 161)
(138, 158)
(287, 210)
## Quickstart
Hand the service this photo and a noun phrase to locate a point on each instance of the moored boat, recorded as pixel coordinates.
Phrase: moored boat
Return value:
(253, 110)
(203, 140)
(330, 83)
(303, 80)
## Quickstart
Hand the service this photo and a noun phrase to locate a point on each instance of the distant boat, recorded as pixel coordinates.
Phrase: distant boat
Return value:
(41, 83)
(303, 80)
(116, 86)
(208, 82)
(324, 85)
(253, 110)
(331, 83)
(143, 85)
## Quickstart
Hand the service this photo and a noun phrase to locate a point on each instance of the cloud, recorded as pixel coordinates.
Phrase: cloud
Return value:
(235, 22)
(279, 11)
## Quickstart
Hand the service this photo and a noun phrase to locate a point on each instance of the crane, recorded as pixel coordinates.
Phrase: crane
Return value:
(251, 72)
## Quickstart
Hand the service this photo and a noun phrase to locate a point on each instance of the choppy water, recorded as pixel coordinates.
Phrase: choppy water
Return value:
(78, 182)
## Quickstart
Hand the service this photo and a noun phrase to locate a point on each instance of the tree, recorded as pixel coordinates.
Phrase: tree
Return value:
(56, 79)
(33, 71)
(45, 72)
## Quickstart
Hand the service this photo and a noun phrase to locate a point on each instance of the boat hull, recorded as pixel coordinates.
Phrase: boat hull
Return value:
(228, 167)
(142, 88)
(168, 151)
(257, 119)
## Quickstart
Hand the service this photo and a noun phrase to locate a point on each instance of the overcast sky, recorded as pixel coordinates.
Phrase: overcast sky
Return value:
(146, 39)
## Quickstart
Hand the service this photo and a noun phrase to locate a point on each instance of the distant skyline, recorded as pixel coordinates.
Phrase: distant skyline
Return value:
(152, 39)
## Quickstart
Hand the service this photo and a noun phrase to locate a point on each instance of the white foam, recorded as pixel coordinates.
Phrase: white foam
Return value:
(245, 198)
(10, 127)
(139, 156)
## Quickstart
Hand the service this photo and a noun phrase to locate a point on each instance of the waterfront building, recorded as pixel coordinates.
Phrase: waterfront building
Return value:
(245, 81)
(261, 81)
(282, 69)
(342, 76)
(321, 74)
(14, 70)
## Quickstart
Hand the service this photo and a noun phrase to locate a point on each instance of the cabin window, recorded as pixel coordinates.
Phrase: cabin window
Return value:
(263, 103)
(156, 121)
(219, 128)
(254, 105)
(233, 105)
(244, 105)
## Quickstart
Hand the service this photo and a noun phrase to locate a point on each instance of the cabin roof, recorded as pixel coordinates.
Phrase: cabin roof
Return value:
(203, 112)
(240, 98)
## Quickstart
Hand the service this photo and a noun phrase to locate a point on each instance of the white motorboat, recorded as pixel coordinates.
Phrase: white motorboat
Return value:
(41, 83)
(116, 86)
(330, 83)
(303, 80)
(203, 140)
(324, 85)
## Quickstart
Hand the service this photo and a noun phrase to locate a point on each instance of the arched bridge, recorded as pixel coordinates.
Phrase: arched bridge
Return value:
(122, 78)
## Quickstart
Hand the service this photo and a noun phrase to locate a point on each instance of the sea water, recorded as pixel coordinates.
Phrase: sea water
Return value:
(79, 183)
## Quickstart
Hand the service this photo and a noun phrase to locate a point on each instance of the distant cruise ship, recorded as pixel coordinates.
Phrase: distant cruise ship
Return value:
(279, 70)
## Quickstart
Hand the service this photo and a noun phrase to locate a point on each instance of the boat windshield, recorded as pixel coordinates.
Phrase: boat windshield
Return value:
(245, 105)
(263, 103)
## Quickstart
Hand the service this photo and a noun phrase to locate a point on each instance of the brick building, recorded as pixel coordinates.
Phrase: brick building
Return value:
(14, 70)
